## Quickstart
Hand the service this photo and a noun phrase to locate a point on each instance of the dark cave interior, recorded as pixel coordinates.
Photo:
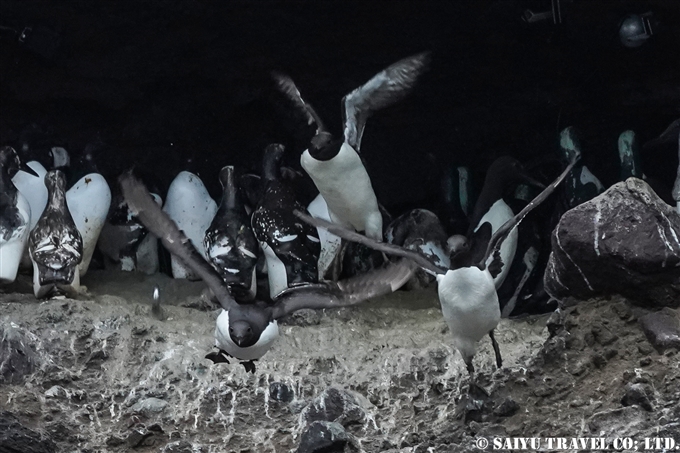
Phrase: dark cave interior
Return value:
(173, 85)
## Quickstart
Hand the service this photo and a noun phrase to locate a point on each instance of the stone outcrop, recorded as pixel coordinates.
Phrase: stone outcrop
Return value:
(17, 357)
(662, 329)
(625, 241)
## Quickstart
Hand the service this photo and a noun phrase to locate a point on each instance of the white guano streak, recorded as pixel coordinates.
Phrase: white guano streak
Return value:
(597, 228)
(559, 244)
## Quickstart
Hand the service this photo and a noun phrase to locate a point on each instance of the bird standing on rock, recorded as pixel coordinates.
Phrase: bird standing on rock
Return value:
(15, 215)
(55, 244)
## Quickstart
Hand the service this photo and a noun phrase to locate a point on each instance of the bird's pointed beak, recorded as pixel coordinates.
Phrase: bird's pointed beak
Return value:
(531, 181)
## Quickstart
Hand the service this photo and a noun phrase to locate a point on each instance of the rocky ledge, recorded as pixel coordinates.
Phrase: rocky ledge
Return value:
(102, 375)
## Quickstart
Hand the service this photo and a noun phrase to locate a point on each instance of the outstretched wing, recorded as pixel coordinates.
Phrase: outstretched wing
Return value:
(351, 291)
(288, 87)
(159, 223)
(507, 227)
(384, 89)
(391, 249)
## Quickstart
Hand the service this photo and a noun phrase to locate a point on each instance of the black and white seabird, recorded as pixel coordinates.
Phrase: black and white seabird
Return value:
(491, 210)
(229, 242)
(335, 166)
(467, 292)
(15, 215)
(55, 244)
(291, 248)
(247, 331)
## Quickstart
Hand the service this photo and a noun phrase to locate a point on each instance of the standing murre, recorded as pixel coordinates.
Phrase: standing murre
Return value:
(88, 201)
(458, 199)
(291, 248)
(467, 292)
(491, 211)
(125, 242)
(230, 243)
(55, 244)
(629, 156)
(15, 215)
(581, 184)
(669, 137)
(189, 204)
(335, 166)
(240, 332)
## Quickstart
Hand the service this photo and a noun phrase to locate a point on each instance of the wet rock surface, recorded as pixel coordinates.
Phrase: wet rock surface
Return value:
(324, 437)
(17, 358)
(382, 377)
(15, 437)
(662, 328)
(625, 241)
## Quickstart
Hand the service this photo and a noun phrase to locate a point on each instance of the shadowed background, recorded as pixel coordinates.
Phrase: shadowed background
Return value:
(185, 84)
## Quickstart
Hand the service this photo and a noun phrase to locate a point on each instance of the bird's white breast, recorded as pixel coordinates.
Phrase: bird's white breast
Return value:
(88, 201)
(191, 207)
(13, 248)
(330, 243)
(469, 305)
(34, 189)
(587, 176)
(497, 215)
(345, 185)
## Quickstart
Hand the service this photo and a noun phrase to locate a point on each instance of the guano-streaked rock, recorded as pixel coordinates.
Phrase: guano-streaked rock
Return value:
(625, 241)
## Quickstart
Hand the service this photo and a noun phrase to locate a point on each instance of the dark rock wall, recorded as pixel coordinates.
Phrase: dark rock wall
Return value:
(163, 82)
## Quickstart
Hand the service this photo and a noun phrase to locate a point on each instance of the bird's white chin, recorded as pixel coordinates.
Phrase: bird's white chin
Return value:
(223, 339)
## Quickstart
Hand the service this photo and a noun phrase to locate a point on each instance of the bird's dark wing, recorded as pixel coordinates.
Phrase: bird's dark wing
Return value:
(346, 292)
(391, 249)
(286, 85)
(384, 89)
(159, 223)
(507, 227)
(478, 241)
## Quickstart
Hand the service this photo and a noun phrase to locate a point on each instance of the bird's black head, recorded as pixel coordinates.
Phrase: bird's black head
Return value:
(459, 251)
(323, 147)
(509, 171)
(242, 333)
(247, 322)
(10, 162)
(321, 140)
(272, 161)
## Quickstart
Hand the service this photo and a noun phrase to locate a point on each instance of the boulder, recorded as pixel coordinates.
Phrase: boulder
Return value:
(662, 328)
(17, 357)
(625, 241)
(323, 437)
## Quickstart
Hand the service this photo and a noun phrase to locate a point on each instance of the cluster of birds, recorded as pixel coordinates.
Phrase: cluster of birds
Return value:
(309, 257)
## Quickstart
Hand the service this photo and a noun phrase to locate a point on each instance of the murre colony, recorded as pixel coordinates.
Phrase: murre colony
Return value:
(264, 251)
